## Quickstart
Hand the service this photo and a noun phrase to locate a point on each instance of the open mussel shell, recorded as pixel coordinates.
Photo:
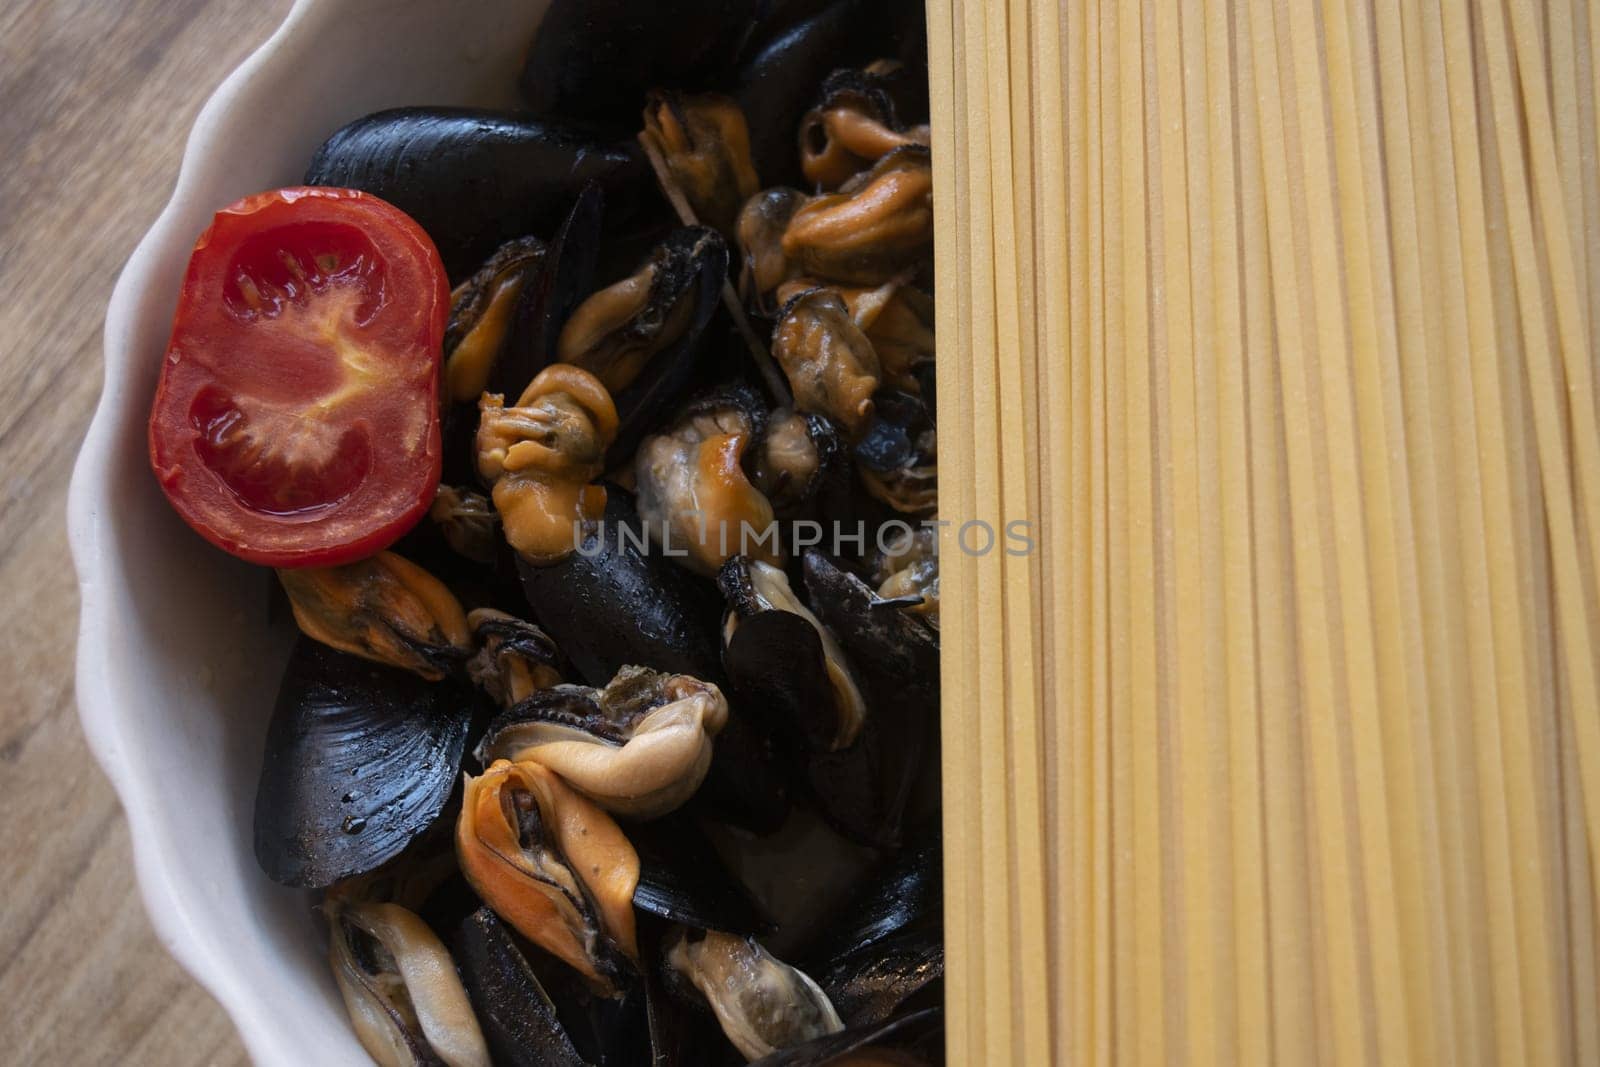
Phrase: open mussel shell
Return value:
(595, 59)
(782, 673)
(883, 950)
(483, 312)
(905, 1041)
(476, 178)
(775, 670)
(360, 759)
(897, 455)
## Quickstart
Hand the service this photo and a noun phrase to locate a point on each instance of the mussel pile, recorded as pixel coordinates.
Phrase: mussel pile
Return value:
(628, 752)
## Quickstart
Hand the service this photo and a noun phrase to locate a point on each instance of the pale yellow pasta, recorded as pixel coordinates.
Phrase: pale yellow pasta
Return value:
(1277, 321)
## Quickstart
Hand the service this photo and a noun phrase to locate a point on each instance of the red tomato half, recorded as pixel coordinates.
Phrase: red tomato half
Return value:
(297, 418)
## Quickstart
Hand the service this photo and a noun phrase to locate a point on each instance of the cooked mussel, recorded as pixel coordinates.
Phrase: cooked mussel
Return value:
(595, 59)
(400, 987)
(693, 490)
(852, 127)
(467, 522)
(515, 659)
(887, 636)
(760, 229)
(360, 760)
(897, 455)
(898, 320)
(476, 178)
(552, 293)
(831, 366)
(799, 459)
(704, 143)
(639, 336)
(877, 227)
(553, 865)
(907, 571)
(384, 608)
(640, 747)
(762, 1003)
(483, 311)
(786, 668)
(541, 457)
(896, 653)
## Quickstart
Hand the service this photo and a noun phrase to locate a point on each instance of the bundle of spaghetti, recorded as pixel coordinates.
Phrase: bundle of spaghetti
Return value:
(1276, 323)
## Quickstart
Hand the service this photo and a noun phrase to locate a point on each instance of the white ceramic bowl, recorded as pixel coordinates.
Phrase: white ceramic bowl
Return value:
(176, 662)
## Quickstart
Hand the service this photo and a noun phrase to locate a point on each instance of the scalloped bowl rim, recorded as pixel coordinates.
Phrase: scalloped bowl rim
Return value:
(110, 716)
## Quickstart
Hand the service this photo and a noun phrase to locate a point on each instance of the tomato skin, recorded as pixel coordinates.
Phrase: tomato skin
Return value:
(296, 421)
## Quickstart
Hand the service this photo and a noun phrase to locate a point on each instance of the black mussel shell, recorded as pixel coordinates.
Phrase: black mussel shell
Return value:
(897, 652)
(919, 1032)
(884, 948)
(692, 262)
(518, 1018)
(534, 1010)
(743, 787)
(596, 59)
(787, 61)
(683, 880)
(360, 759)
(610, 604)
(550, 296)
(476, 178)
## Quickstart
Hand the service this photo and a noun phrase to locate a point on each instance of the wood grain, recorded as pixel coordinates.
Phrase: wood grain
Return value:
(95, 103)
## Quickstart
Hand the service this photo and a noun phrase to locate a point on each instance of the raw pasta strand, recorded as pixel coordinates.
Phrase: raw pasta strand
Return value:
(1227, 343)
(1570, 583)
(1030, 1016)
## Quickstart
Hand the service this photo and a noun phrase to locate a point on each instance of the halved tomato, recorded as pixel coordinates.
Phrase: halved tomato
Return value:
(297, 418)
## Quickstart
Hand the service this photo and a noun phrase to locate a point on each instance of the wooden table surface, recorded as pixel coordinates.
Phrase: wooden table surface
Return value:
(96, 100)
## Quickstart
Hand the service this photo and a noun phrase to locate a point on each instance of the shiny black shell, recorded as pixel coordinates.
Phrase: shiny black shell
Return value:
(609, 604)
(476, 178)
(360, 759)
(519, 1021)
(884, 948)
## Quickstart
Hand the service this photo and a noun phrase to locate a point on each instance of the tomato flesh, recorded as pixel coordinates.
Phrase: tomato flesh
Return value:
(296, 422)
